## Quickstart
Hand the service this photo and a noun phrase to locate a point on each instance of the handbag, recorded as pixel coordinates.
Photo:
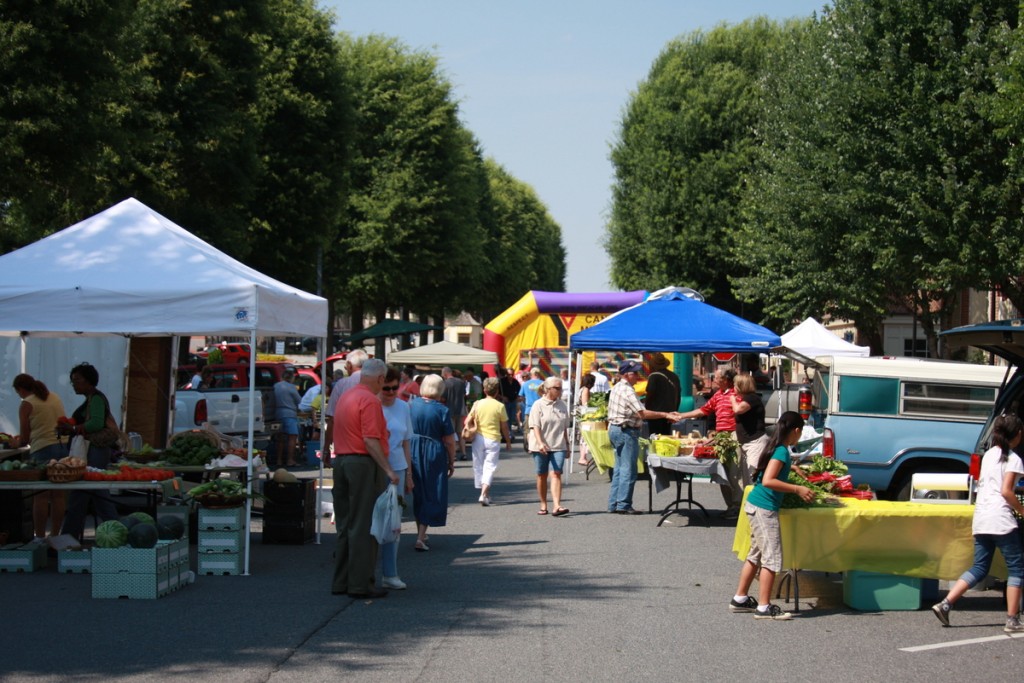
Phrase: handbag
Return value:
(470, 428)
(386, 525)
(108, 436)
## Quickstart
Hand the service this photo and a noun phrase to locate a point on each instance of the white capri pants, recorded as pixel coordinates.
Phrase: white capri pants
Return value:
(485, 460)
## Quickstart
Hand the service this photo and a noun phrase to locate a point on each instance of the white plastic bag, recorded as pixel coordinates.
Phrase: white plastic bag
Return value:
(387, 516)
(79, 447)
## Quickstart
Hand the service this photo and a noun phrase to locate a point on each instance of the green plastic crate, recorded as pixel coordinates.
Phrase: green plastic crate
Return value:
(871, 592)
(74, 562)
(220, 542)
(220, 564)
(16, 557)
(131, 560)
(231, 519)
(132, 586)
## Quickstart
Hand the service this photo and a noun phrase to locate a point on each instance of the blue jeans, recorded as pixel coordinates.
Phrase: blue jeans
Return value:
(984, 549)
(553, 460)
(626, 441)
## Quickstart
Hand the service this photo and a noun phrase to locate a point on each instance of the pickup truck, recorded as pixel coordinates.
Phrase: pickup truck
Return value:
(225, 405)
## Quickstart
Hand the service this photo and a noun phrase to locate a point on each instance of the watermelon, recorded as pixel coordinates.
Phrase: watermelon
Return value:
(128, 521)
(170, 528)
(142, 535)
(143, 517)
(111, 534)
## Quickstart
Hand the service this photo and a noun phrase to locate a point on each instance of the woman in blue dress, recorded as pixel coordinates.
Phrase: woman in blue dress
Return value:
(433, 457)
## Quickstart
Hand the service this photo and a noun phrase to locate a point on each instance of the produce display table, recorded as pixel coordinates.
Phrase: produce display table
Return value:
(887, 537)
(81, 485)
(6, 453)
(681, 469)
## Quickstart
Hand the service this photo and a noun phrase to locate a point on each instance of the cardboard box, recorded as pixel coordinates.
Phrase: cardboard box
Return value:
(16, 557)
(74, 562)
(871, 592)
(220, 542)
(132, 586)
(131, 560)
(220, 564)
(231, 519)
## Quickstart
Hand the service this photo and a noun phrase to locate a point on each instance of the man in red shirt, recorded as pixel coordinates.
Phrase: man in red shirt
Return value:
(360, 467)
(725, 421)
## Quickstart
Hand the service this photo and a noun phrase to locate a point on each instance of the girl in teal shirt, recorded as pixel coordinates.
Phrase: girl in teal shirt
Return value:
(762, 510)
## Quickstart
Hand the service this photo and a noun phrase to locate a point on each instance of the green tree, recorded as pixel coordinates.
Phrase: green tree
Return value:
(64, 66)
(304, 117)
(879, 178)
(409, 228)
(201, 70)
(527, 247)
(686, 141)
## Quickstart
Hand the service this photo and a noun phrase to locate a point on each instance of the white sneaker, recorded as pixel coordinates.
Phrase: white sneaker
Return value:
(393, 582)
(773, 612)
(485, 500)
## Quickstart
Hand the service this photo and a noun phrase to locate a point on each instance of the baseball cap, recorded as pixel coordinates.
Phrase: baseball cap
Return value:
(630, 366)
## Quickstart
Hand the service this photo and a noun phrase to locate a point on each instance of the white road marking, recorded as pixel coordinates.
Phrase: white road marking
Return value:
(958, 643)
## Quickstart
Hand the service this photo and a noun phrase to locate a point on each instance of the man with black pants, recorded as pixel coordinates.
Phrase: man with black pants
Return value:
(360, 469)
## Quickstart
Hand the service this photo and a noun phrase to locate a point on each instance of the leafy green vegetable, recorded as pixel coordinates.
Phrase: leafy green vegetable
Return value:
(820, 464)
(822, 497)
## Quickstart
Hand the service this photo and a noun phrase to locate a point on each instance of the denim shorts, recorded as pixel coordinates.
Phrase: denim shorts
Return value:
(290, 425)
(554, 459)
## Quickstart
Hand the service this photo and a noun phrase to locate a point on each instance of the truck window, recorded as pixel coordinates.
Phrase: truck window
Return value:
(948, 400)
(871, 395)
(820, 390)
(265, 377)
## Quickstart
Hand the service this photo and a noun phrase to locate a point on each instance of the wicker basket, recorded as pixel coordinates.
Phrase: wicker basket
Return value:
(209, 436)
(62, 474)
(34, 474)
(218, 502)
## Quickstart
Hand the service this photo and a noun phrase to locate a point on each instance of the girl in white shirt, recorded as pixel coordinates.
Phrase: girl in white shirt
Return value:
(994, 525)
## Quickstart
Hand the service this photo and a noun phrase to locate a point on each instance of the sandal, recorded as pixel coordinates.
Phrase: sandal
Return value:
(542, 511)
(559, 512)
(421, 547)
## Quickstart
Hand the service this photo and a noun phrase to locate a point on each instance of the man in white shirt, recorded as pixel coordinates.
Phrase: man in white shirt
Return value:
(601, 383)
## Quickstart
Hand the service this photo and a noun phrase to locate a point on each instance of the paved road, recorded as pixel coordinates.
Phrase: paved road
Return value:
(503, 594)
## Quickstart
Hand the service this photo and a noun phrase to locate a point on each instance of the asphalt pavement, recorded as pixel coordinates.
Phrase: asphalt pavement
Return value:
(503, 594)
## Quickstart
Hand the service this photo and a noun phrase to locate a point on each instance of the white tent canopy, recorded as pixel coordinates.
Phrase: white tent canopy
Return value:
(811, 339)
(443, 353)
(130, 271)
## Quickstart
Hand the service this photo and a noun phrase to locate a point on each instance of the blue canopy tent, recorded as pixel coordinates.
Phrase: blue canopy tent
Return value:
(674, 319)
(671, 320)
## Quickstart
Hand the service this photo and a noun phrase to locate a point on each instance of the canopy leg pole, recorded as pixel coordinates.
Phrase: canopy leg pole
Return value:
(321, 355)
(578, 375)
(251, 434)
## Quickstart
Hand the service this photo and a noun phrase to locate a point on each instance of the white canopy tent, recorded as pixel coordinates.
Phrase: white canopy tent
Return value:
(811, 339)
(129, 271)
(443, 353)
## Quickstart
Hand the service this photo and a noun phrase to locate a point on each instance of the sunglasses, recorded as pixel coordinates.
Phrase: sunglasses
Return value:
(393, 387)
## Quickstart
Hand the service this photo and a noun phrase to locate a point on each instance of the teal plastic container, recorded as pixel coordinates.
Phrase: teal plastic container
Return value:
(871, 592)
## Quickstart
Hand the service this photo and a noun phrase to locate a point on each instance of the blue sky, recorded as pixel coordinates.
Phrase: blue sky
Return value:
(542, 85)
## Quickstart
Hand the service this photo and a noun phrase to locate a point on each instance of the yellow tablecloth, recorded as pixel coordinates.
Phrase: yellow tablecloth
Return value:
(910, 539)
(603, 453)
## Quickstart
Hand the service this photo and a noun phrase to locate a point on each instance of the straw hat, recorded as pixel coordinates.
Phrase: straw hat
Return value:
(658, 361)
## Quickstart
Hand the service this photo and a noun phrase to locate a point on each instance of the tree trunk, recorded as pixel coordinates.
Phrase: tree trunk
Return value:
(380, 349)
